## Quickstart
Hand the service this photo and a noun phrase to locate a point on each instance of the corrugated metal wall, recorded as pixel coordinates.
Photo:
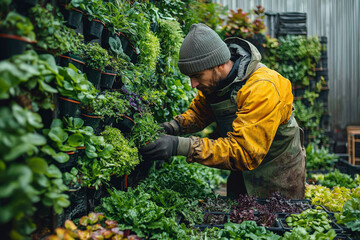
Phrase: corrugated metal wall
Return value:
(338, 20)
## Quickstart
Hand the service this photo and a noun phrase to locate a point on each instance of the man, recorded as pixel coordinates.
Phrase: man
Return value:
(252, 106)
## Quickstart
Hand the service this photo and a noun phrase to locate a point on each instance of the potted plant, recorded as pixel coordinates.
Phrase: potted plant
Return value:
(16, 32)
(74, 88)
(145, 130)
(109, 74)
(52, 36)
(76, 54)
(96, 58)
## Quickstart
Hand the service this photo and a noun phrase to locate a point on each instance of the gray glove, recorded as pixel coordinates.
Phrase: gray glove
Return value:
(171, 127)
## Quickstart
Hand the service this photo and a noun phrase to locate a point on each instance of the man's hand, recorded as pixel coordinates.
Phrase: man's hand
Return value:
(171, 128)
(161, 149)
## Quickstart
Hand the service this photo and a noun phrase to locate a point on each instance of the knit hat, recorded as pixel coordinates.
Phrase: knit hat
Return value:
(202, 49)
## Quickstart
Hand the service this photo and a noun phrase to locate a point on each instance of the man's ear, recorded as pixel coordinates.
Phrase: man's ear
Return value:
(221, 67)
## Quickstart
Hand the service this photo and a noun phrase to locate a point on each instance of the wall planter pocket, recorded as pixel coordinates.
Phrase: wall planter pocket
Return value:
(107, 79)
(106, 34)
(128, 48)
(73, 17)
(75, 60)
(125, 124)
(14, 45)
(94, 76)
(91, 119)
(68, 107)
(93, 29)
(118, 83)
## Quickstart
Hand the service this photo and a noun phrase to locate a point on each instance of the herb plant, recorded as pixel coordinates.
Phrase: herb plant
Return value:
(350, 214)
(145, 130)
(301, 233)
(319, 158)
(16, 24)
(312, 220)
(150, 49)
(96, 57)
(124, 156)
(336, 178)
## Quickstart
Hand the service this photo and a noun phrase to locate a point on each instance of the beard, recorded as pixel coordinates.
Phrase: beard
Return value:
(212, 86)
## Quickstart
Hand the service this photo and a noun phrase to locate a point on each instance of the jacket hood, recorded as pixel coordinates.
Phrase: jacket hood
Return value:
(240, 48)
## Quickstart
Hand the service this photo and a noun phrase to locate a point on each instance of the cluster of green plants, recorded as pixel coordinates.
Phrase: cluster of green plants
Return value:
(319, 158)
(336, 178)
(332, 199)
(16, 24)
(350, 214)
(313, 220)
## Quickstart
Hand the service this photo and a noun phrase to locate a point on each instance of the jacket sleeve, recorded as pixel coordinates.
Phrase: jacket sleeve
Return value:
(197, 117)
(261, 109)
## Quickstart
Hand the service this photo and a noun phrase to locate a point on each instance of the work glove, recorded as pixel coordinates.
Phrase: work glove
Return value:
(165, 147)
(171, 127)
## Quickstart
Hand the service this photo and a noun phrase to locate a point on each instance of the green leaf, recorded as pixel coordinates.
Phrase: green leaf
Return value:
(38, 165)
(76, 139)
(57, 134)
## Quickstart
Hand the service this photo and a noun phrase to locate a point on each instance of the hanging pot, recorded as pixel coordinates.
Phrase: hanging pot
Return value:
(68, 107)
(91, 119)
(73, 17)
(94, 76)
(93, 29)
(107, 79)
(125, 124)
(12, 45)
(105, 37)
(118, 83)
(75, 60)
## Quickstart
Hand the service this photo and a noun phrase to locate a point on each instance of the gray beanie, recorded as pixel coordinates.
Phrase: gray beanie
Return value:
(202, 49)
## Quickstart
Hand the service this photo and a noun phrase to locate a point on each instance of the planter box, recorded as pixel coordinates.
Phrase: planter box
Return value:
(75, 60)
(94, 76)
(13, 45)
(68, 107)
(73, 17)
(345, 167)
(125, 124)
(107, 79)
(92, 121)
(93, 29)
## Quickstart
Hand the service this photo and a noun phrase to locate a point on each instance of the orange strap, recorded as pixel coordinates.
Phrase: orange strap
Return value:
(126, 181)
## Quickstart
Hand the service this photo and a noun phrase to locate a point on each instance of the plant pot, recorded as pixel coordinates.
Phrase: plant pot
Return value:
(23, 6)
(118, 83)
(124, 41)
(128, 48)
(75, 60)
(13, 45)
(107, 121)
(93, 29)
(105, 37)
(73, 17)
(125, 124)
(107, 79)
(91, 120)
(94, 76)
(81, 152)
(68, 107)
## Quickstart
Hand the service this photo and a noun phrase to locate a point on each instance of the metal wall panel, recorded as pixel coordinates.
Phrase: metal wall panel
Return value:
(339, 21)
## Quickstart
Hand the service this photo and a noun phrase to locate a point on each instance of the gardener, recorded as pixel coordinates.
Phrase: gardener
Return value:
(252, 107)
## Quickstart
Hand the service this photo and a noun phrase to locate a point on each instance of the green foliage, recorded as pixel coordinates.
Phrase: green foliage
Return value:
(313, 220)
(319, 158)
(124, 156)
(150, 50)
(51, 34)
(298, 233)
(75, 85)
(94, 9)
(145, 130)
(135, 211)
(171, 37)
(29, 76)
(336, 178)
(109, 104)
(16, 24)
(245, 230)
(96, 57)
(350, 214)
(26, 178)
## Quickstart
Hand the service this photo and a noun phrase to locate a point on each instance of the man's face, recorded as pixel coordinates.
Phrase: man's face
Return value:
(206, 81)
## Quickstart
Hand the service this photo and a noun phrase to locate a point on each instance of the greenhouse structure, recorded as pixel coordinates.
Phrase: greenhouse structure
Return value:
(230, 119)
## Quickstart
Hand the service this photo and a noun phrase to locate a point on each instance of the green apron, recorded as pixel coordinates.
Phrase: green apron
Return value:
(283, 168)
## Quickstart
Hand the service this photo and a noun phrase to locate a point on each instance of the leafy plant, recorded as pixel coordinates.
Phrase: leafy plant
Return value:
(51, 34)
(245, 230)
(336, 178)
(16, 24)
(350, 214)
(94, 8)
(150, 49)
(145, 130)
(96, 57)
(312, 220)
(28, 78)
(75, 85)
(27, 181)
(124, 156)
(301, 233)
(319, 158)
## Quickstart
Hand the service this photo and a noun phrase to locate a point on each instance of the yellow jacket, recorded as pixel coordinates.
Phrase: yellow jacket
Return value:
(263, 103)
